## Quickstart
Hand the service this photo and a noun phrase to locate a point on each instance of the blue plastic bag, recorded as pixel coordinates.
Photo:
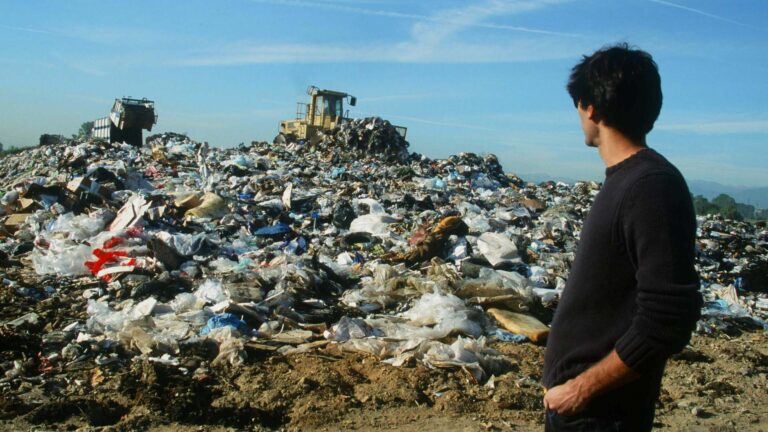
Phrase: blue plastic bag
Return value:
(273, 230)
(224, 320)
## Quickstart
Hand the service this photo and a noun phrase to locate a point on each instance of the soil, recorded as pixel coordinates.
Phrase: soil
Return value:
(718, 383)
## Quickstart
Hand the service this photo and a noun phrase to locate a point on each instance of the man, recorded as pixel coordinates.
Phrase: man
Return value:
(632, 296)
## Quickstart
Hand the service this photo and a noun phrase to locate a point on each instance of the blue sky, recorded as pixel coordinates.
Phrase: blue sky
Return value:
(482, 76)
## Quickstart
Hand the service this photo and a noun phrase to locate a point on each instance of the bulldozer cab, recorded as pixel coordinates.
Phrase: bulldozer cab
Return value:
(324, 112)
(326, 108)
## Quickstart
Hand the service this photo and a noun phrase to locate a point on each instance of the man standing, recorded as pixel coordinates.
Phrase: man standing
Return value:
(632, 296)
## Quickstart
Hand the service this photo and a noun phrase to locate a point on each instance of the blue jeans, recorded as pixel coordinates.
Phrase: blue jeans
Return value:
(630, 408)
(583, 423)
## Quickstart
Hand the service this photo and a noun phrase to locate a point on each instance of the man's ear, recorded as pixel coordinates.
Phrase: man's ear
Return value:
(590, 109)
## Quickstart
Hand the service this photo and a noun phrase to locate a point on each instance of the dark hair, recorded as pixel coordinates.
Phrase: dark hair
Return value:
(623, 85)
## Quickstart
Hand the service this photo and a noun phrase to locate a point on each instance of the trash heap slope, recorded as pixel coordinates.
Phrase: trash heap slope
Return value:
(178, 247)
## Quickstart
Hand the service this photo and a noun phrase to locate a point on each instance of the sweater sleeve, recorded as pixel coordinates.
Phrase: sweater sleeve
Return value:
(658, 226)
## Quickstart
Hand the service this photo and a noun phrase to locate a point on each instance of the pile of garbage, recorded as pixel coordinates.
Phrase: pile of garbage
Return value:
(371, 138)
(732, 260)
(177, 244)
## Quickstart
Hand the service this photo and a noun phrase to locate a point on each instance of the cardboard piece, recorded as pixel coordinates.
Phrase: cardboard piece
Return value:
(286, 199)
(188, 201)
(27, 205)
(212, 207)
(14, 221)
(130, 214)
(80, 184)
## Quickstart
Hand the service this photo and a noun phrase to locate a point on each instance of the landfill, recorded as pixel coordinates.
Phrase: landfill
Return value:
(182, 266)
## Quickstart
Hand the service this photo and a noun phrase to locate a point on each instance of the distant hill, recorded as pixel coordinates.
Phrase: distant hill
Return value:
(543, 177)
(757, 197)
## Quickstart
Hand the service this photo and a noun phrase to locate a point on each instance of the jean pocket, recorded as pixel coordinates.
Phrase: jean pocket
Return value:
(579, 422)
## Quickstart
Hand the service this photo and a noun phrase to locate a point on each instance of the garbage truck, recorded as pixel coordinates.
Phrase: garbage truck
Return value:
(324, 112)
(126, 122)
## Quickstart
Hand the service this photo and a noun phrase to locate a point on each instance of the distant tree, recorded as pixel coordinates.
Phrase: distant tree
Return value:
(724, 201)
(731, 212)
(703, 206)
(1, 147)
(746, 211)
(727, 207)
(85, 131)
(10, 150)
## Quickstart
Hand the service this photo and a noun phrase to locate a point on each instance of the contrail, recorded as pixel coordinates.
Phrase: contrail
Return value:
(415, 17)
(700, 12)
(26, 29)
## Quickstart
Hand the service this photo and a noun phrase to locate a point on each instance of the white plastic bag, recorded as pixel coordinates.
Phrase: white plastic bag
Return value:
(497, 248)
(376, 224)
(62, 257)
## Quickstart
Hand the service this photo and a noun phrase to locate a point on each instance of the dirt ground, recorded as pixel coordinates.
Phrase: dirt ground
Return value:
(720, 383)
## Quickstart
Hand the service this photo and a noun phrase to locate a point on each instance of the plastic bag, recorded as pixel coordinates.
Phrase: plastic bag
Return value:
(349, 328)
(432, 308)
(185, 302)
(276, 230)
(184, 244)
(81, 227)
(223, 265)
(9, 198)
(498, 248)
(231, 347)
(376, 224)
(212, 207)
(212, 291)
(224, 320)
(102, 319)
(374, 206)
(62, 257)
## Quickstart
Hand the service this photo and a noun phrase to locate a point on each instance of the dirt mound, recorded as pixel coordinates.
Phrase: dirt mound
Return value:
(716, 384)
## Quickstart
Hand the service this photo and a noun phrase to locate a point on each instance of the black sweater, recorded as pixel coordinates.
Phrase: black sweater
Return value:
(633, 286)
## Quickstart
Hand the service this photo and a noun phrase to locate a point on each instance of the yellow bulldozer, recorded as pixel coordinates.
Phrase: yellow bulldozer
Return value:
(324, 112)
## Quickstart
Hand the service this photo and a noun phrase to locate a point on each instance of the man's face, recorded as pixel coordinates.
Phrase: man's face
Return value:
(588, 126)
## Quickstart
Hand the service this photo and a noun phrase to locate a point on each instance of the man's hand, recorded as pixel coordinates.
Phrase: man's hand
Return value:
(572, 396)
(566, 399)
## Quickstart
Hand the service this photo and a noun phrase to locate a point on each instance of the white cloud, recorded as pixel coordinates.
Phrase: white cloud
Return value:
(712, 169)
(397, 97)
(31, 63)
(216, 120)
(123, 35)
(434, 122)
(519, 50)
(434, 39)
(107, 35)
(86, 67)
(718, 127)
(25, 29)
(452, 17)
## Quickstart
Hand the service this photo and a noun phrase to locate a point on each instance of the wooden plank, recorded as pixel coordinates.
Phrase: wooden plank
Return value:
(293, 337)
(519, 323)
(260, 347)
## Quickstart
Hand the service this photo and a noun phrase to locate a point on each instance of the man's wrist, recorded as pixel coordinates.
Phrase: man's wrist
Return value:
(584, 386)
